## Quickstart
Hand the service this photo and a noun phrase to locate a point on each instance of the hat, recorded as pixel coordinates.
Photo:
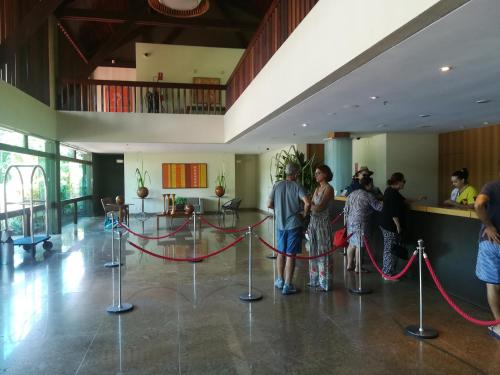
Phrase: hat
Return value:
(364, 169)
(291, 169)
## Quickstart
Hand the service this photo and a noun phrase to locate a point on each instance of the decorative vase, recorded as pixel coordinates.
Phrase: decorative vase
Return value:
(219, 191)
(173, 204)
(142, 192)
(164, 204)
(188, 209)
(119, 200)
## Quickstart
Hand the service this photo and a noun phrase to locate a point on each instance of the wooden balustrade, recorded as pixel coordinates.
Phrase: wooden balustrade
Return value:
(280, 21)
(141, 97)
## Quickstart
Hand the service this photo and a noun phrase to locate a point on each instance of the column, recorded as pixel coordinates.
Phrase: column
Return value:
(338, 156)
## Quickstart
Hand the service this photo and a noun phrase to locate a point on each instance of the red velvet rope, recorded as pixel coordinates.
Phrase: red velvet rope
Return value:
(202, 218)
(336, 218)
(452, 303)
(155, 237)
(395, 277)
(297, 256)
(239, 239)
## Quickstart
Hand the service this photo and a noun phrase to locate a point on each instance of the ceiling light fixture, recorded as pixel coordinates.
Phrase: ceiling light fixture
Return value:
(486, 123)
(380, 126)
(445, 68)
(373, 97)
(483, 101)
(304, 125)
(180, 8)
(424, 115)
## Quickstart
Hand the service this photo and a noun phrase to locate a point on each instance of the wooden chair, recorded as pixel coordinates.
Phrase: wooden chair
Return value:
(109, 205)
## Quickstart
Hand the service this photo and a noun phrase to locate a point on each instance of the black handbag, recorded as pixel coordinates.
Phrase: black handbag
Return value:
(400, 251)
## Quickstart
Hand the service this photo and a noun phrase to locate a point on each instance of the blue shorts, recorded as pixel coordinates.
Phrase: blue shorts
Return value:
(290, 241)
(488, 262)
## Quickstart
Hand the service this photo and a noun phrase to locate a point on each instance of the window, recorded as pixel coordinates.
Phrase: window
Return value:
(40, 144)
(67, 151)
(12, 138)
(75, 179)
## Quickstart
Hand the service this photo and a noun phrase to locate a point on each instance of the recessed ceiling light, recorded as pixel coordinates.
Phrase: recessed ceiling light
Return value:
(483, 101)
(445, 68)
(486, 123)
(373, 97)
(380, 126)
(304, 125)
(113, 61)
(424, 115)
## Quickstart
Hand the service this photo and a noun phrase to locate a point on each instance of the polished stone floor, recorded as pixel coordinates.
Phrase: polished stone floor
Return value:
(188, 318)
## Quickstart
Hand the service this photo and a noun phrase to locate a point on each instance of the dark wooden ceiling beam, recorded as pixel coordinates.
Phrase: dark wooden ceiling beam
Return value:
(83, 15)
(29, 25)
(228, 16)
(73, 43)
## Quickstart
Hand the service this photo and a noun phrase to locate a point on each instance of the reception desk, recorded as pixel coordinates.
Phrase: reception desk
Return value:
(450, 237)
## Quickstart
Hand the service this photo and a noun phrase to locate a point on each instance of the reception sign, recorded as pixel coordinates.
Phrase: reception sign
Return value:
(183, 175)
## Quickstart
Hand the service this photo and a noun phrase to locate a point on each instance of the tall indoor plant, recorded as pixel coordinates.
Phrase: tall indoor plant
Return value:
(141, 174)
(282, 158)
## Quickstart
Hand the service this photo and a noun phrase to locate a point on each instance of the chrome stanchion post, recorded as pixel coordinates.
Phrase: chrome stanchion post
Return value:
(250, 296)
(420, 331)
(121, 307)
(273, 255)
(194, 240)
(113, 262)
(360, 289)
(344, 250)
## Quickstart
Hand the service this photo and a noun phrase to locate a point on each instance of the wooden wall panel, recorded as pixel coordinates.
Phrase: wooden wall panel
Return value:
(279, 22)
(478, 150)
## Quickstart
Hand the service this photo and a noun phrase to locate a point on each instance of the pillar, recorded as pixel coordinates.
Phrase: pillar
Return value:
(338, 156)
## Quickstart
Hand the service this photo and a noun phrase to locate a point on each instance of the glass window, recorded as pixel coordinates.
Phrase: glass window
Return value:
(75, 180)
(67, 151)
(83, 155)
(37, 144)
(12, 138)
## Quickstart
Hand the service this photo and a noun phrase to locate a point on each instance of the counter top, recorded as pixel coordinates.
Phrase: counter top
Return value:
(471, 214)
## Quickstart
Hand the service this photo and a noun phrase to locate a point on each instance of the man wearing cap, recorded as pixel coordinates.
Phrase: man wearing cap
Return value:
(287, 198)
(363, 172)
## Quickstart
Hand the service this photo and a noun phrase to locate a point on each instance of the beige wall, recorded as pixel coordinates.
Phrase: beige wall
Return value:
(417, 157)
(371, 151)
(181, 63)
(246, 180)
(153, 162)
(21, 112)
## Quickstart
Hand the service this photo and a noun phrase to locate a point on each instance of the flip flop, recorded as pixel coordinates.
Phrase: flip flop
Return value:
(492, 332)
(350, 268)
(363, 270)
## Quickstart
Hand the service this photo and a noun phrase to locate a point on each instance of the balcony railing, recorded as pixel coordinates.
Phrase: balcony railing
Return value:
(141, 97)
(280, 21)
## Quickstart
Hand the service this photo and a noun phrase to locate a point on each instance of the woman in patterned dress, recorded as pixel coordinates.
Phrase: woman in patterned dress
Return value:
(320, 230)
(360, 204)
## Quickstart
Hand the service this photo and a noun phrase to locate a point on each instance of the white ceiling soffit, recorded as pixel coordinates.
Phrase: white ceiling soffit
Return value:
(408, 85)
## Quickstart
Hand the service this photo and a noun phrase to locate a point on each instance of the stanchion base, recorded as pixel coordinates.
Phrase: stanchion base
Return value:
(360, 291)
(272, 256)
(125, 307)
(111, 264)
(425, 333)
(196, 261)
(250, 297)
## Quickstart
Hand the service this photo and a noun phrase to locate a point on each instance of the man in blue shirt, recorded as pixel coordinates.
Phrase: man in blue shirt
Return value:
(287, 198)
(487, 207)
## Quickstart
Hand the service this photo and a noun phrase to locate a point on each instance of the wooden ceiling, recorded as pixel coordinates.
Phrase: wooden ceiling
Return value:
(104, 32)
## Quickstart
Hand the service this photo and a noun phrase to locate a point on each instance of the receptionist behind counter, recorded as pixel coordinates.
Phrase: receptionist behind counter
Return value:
(463, 195)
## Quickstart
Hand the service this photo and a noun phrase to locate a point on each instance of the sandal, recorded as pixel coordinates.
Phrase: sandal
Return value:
(493, 333)
(350, 268)
(363, 270)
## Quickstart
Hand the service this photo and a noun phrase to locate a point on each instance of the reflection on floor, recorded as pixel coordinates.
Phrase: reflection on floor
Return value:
(188, 318)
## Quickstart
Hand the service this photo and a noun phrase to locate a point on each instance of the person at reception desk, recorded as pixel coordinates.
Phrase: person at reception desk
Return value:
(355, 183)
(463, 195)
(487, 207)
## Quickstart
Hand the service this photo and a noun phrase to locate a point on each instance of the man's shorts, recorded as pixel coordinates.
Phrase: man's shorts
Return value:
(488, 262)
(290, 241)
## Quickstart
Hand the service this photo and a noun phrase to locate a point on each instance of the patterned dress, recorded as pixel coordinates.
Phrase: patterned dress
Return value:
(360, 204)
(320, 232)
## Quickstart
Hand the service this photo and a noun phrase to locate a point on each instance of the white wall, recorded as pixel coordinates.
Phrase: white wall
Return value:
(21, 112)
(371, 151)
(417, 157)
(153, 162)
(111, 73)
(181, 63)
(246, 183)
(348, 28)
(139, 127)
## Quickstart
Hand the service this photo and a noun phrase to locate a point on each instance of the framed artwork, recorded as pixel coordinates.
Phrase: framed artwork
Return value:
(184, 175)
(206, 97)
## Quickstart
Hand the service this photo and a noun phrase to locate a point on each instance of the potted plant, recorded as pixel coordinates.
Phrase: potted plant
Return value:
(141, 174)
(282, 158)
(220, 184)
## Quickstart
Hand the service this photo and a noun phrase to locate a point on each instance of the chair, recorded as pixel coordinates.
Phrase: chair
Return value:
(232, 206)
(109, 205)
